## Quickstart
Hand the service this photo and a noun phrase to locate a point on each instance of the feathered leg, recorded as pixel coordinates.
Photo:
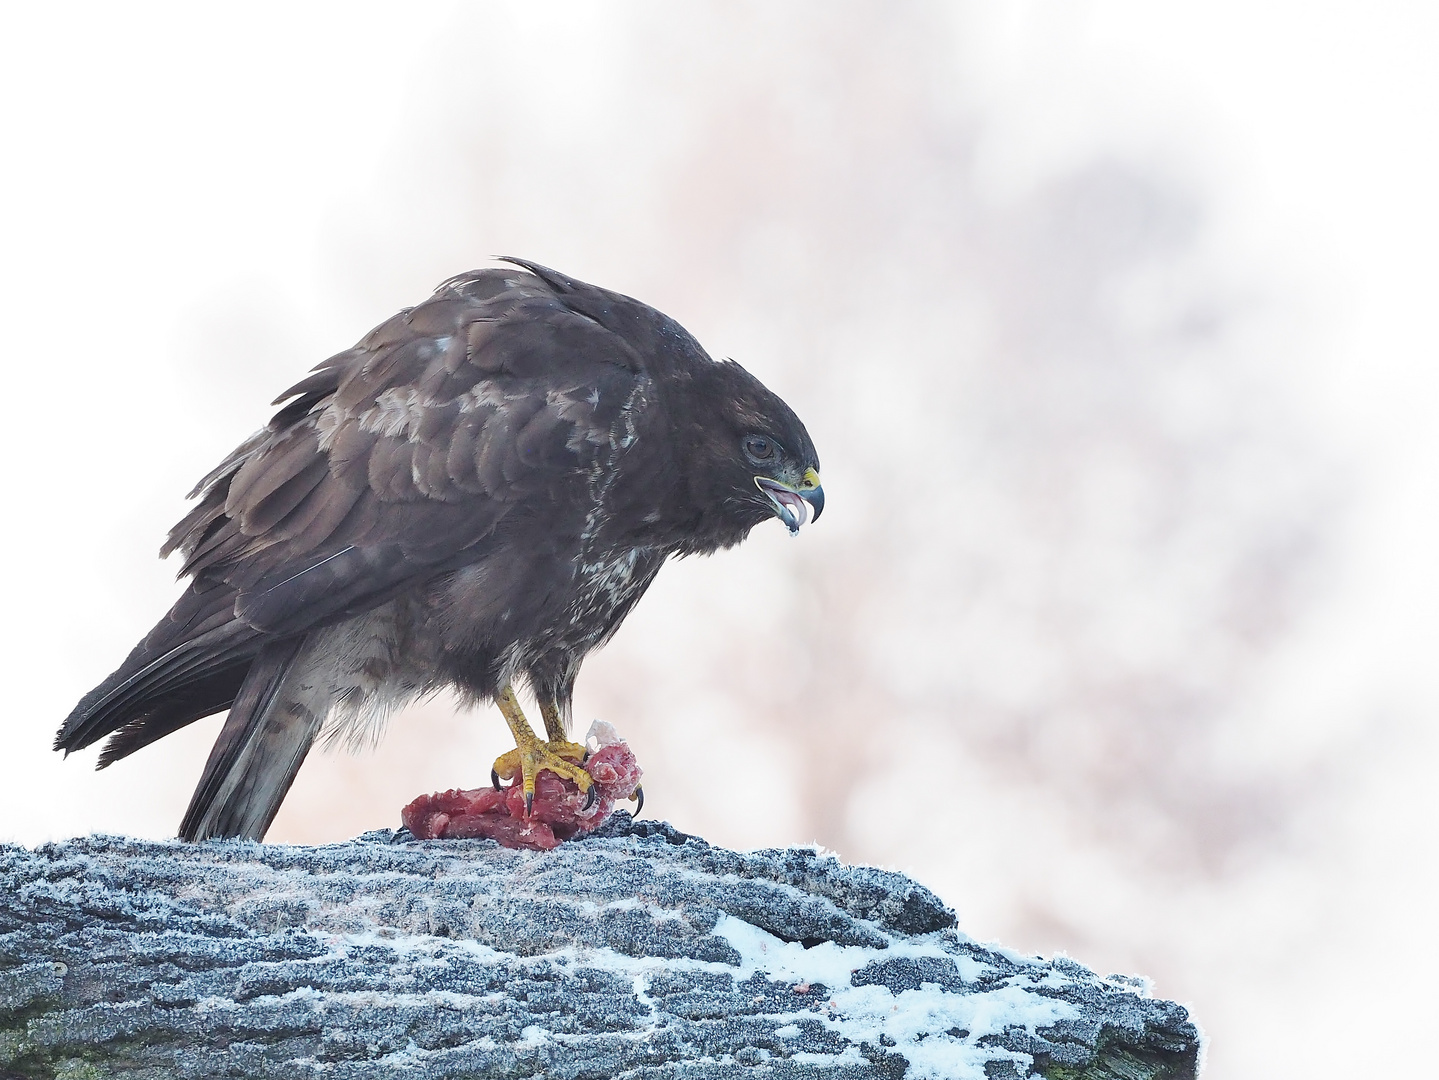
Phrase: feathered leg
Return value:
(271, 725)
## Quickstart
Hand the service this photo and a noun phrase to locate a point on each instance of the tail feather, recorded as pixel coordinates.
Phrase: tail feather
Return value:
(260, 749)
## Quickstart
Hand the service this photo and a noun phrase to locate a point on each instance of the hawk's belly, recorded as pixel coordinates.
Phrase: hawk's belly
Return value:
(520, 612)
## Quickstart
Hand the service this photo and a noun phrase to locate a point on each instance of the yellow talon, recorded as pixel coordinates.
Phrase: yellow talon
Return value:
(533, 755)
(512, 764)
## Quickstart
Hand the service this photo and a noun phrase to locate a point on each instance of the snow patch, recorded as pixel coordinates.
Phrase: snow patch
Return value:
(935, 1030)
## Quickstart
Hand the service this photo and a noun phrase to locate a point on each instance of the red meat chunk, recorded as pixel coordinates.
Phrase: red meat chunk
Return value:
(559, 810)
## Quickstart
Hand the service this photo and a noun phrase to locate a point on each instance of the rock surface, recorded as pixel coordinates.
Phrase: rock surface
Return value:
(636, 952)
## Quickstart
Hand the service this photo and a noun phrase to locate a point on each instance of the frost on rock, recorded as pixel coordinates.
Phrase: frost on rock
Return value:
(635, 951)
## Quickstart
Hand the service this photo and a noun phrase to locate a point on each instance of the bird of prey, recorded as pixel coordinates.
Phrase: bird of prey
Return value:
(474, 496)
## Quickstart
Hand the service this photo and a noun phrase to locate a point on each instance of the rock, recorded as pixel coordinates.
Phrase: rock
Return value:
(635, 952)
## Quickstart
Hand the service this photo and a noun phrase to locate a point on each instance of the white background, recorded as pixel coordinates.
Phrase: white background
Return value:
(1113, 323)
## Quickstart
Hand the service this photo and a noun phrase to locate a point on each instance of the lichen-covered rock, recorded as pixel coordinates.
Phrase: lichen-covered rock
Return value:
(636, 952)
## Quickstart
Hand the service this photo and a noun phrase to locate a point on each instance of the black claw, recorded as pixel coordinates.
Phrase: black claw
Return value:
(586, 757)
(495, 779)
(639, 801)
(590, 797)
(529, 802)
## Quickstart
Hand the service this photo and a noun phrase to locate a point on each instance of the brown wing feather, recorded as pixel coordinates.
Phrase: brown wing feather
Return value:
(447, 416)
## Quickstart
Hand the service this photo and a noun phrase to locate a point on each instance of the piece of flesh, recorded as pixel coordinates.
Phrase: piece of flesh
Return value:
(559, 811)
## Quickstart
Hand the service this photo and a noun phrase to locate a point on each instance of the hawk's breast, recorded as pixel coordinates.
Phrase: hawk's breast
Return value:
(605, 590)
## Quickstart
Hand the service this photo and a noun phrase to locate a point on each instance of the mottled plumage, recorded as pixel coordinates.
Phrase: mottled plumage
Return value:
(476, 493)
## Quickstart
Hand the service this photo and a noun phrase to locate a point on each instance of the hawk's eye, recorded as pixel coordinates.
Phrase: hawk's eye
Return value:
(758, 448)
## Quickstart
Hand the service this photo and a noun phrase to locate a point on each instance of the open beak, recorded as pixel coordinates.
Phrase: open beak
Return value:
(789, 502)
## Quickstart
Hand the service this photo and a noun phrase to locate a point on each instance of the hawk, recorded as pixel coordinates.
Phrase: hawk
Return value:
(474, 496)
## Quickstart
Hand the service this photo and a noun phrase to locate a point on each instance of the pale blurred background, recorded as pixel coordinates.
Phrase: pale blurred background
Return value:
(1114, 324)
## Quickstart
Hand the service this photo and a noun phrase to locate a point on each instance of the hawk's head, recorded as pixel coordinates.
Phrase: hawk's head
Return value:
(755, 459)
(737, 454)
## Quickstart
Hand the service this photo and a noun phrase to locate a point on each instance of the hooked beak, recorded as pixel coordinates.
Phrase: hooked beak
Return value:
(789, 502)
(812, 493)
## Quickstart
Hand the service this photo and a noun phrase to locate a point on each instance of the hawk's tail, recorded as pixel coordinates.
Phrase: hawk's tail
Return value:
(260, 749)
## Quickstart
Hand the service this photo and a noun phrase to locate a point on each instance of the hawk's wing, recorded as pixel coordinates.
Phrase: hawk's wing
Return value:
(392, 463)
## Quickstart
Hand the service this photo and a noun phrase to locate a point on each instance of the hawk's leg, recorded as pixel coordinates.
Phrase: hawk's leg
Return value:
(555, 725)
(532, 755)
